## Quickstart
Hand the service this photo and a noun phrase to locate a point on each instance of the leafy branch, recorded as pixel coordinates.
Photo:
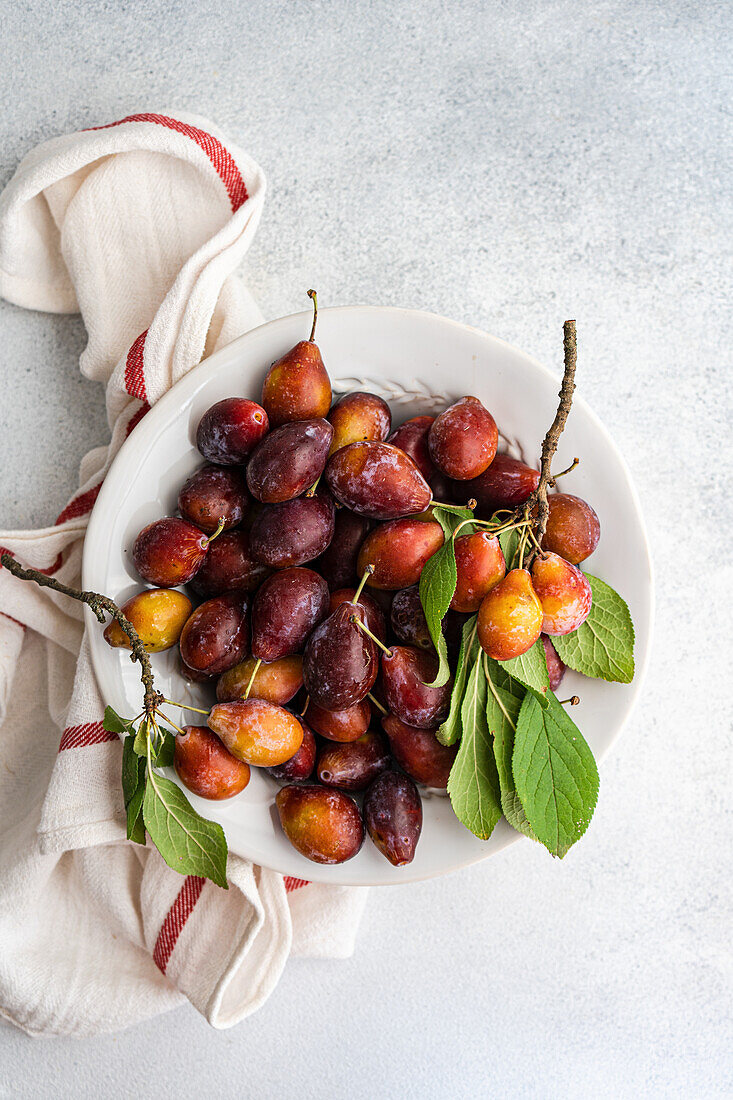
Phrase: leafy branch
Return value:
(101, 606)
(519, 752)
(439, 576)
(187, 842)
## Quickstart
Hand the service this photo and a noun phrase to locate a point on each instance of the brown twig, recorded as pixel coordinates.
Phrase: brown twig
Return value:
(549, 445)
(568, 470)
(100, 605)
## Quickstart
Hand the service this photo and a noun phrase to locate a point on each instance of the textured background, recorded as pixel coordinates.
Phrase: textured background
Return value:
(508, 165)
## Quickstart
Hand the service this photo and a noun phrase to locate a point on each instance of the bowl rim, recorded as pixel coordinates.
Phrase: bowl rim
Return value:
(146, 427)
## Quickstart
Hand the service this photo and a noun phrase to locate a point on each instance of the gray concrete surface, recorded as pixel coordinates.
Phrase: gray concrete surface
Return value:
(508, 165)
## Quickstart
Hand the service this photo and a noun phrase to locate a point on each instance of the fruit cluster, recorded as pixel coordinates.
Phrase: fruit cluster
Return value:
(305, 534)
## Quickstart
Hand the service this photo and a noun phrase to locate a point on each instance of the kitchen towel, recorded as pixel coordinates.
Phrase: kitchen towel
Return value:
(140, 226)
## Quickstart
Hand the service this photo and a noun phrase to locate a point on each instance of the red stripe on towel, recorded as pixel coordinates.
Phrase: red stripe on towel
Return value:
(134, 377)
(47, 572)
(79, 506)
(52, 568)
(90, 733)
(219, 156)
(12, 620)
(294, 883)
(137, 417)
(176, 918)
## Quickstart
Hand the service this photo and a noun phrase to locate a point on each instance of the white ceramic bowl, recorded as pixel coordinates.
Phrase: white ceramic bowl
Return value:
(420, 363)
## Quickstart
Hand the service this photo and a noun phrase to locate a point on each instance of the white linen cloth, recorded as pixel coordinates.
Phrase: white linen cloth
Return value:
(139, 226)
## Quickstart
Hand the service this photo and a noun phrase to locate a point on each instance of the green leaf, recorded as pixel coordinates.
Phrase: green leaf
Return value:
(133, 789)
(437, 585)
(459, 511)
(130, 771)
(438, 581)
(509, 542)
(555, 774)
(530, 668)
(135, 823)
(451, 729)
(140, 744)
(603, 647)
(502, 713)
(504, 680)
(451, 517)
(114, 724)
(473, 784)
(164, 756)
(187, 842)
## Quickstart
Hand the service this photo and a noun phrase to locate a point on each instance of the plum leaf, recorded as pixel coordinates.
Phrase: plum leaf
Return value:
(133, 789)
(502, 713)
(509, 542)
(530, 668)
(438, 582)
(603, 646)
(473, 784)
(114, 724)
(450, 731)
(555, 775)
(187, 842)
(437, 585)
(164, 755)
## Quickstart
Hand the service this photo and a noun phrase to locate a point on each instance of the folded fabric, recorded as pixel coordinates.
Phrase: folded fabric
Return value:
(140, 226)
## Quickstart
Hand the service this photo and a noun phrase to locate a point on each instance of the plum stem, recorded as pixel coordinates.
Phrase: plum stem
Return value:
(314, 486)
(572, 701)
(511, 525)
(533, 538)
(101, 606)
(489, 524)
(461, 525)
(377, 704)
(305, 708)
(367, 574)
(494, 692)
(314, 298)
(549, 445)
(185, 706)
(219, 529)
(456, 508)
(365, 629)
(523, 546)
(172, 723)
(255, 670)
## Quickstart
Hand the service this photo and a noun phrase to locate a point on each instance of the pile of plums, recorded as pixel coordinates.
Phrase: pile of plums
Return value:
(302, 539)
